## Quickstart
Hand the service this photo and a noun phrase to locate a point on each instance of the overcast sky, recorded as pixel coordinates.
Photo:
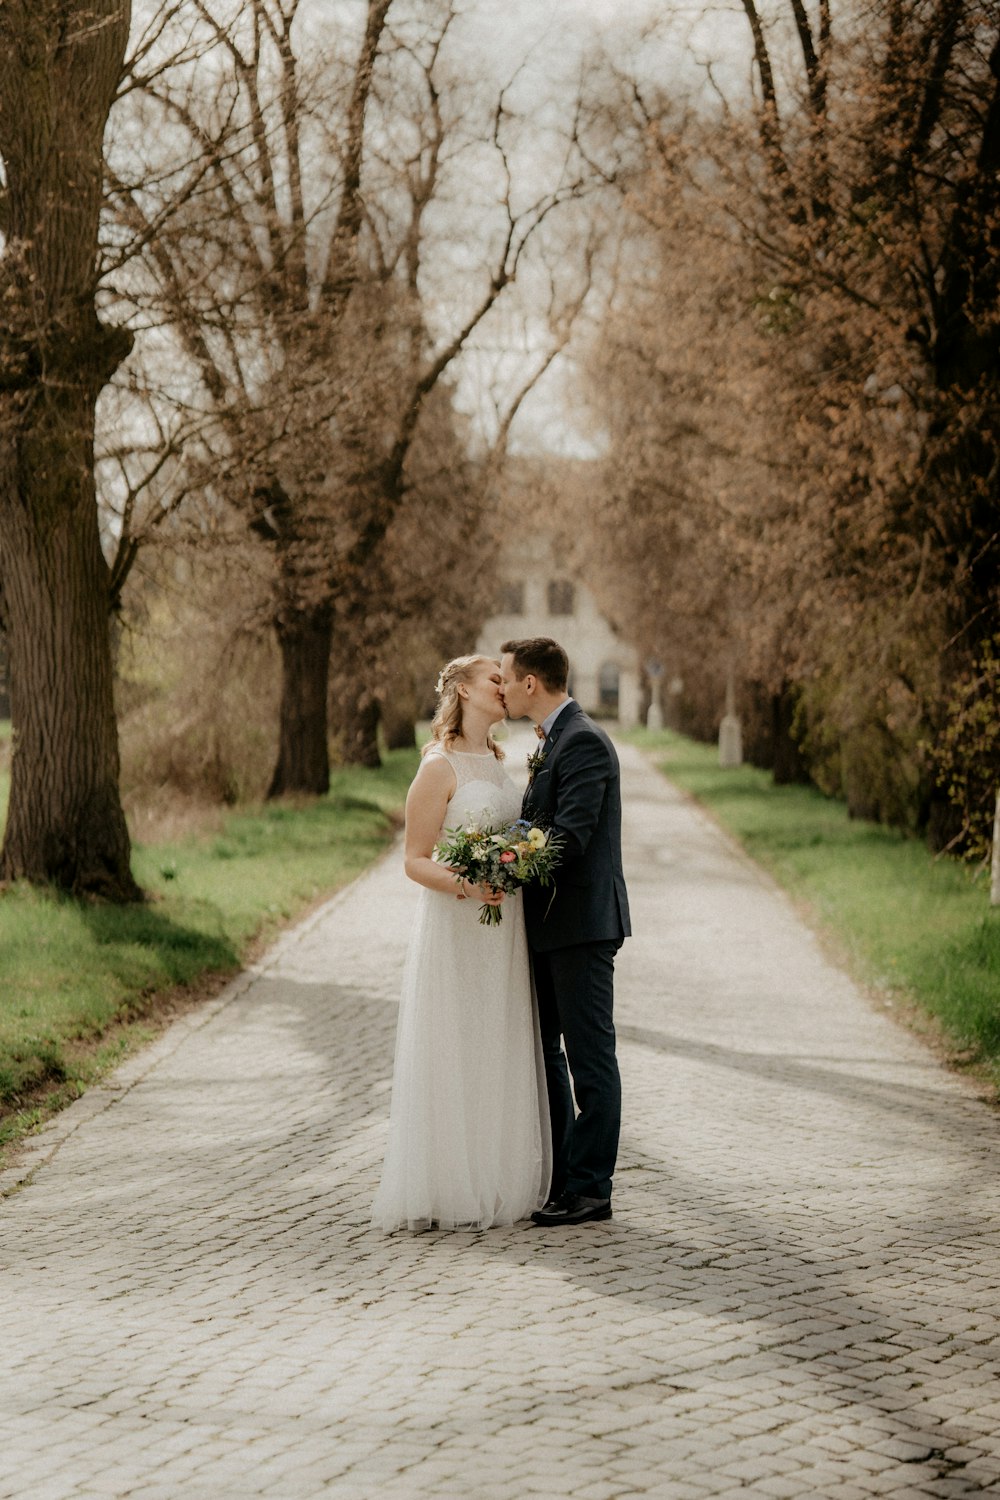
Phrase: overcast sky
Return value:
(553, 33)
(666, 42)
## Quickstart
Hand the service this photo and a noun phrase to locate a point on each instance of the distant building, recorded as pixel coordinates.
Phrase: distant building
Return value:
(538, 596)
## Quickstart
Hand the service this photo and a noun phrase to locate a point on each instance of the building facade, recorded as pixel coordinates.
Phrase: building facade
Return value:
(538, 596)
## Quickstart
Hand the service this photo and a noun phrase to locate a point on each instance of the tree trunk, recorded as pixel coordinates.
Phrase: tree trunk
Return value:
(400, 731)
(356, 720)
(788, 764)
(758, 726)
(303, 748)
(359, 740)
(399, 714)
(964, 348)
(59, 67)
(4, 681)
(65, 823)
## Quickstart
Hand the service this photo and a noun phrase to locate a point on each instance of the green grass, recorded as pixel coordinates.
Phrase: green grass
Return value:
(917, 927)
(81, 984)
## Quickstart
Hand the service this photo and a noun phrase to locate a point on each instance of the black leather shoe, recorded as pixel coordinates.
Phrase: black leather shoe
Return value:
(572, 1208)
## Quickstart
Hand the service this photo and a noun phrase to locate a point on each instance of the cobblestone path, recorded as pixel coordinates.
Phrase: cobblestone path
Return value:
(797, 1296)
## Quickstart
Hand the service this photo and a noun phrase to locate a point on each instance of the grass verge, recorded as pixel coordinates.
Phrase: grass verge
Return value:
(917, 929)
(82, 985)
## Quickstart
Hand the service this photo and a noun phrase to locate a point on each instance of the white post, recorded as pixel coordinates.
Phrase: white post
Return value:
(654, 713)
(995, 865)
(730, 732)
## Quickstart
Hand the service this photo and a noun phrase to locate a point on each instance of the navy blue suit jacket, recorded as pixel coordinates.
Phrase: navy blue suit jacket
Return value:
(577, 793)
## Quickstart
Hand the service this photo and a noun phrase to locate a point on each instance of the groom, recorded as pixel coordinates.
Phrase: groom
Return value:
(575, 933)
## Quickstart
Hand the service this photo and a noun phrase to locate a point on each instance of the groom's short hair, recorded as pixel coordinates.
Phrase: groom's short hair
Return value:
(543, 657)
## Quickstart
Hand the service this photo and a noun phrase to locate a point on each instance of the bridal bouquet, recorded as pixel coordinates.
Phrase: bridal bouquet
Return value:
(502, 858)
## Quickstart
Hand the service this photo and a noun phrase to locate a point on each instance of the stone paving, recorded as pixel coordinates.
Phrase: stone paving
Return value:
(797, 1296)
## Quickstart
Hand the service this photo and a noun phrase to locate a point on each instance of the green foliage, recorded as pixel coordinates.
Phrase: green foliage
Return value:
(966, 756)
(78, 979)
(778, 310)
(856, 750)
(911, 923)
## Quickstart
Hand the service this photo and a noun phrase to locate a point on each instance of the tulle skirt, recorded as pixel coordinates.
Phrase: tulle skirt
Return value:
(469, 1144)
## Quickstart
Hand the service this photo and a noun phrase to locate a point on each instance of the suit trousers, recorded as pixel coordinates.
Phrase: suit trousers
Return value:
(575, 989)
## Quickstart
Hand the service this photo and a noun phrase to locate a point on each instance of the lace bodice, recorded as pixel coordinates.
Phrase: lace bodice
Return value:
(482, 790)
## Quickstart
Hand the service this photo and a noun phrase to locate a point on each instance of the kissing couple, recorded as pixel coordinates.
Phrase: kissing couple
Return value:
(506, 1099)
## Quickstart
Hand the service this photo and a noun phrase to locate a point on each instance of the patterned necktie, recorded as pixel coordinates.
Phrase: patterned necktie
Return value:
(540, 731)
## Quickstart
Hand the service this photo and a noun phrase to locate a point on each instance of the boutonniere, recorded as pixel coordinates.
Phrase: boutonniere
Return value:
(536, 761)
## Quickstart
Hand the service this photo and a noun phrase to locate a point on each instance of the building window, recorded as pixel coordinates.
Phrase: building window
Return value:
(512, 598)
(561, 596)
(608, 683)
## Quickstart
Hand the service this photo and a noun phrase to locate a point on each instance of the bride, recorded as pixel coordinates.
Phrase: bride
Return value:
(468, 1124)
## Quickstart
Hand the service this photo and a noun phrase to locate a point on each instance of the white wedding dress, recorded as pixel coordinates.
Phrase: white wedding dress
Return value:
(469, 1142)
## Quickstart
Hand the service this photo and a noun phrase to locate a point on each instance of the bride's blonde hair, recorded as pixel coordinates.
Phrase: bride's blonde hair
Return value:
(446, 725)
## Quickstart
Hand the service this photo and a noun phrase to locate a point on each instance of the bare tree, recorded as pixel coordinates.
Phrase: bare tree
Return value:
(240, 242)
(804, 374)
(60, 62)
(287, 253)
